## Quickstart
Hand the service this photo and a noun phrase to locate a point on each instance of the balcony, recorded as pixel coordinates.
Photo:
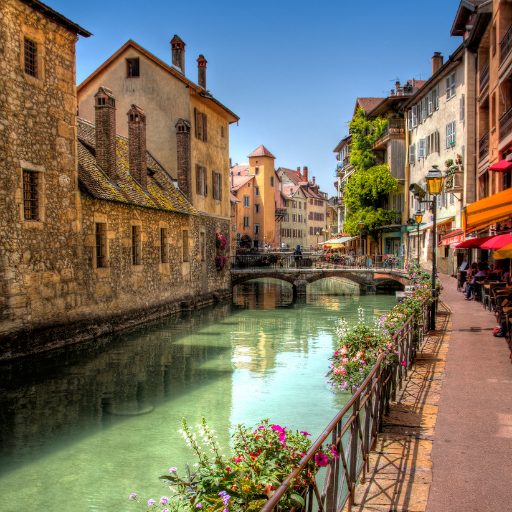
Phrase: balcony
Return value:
(506, 45)
(454, 183)
(280, 213)
(483, 146)
(505, 124)
(395, 129)
(484, 78)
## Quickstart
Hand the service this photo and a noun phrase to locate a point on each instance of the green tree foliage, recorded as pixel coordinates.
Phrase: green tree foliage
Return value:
(368, 189)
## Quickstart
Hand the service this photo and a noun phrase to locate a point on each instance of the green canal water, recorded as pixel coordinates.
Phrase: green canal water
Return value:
(83, 428)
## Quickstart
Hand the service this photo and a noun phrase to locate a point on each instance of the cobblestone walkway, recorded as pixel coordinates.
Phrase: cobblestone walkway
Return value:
(400, 466)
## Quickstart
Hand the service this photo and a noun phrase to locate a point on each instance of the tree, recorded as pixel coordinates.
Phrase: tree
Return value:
(368, 189)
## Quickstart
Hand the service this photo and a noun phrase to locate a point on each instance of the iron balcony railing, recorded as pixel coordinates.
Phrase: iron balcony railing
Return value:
(483, 146)
(311, 260)
(505, 124)
(506, 45)
(484, 78)
(353, 431)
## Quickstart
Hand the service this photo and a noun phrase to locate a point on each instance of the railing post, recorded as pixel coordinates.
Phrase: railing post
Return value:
(352, 465)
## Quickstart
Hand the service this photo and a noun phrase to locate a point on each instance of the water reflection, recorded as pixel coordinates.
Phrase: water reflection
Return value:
(84, 427)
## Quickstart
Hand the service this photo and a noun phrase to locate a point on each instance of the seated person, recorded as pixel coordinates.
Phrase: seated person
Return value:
(507, 302)
(482, 274)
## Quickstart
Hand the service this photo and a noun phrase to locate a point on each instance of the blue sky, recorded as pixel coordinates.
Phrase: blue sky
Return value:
(290, 70)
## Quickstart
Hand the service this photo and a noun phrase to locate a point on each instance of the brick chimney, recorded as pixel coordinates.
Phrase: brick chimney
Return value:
(184, 157)
(105, 119)
(305, 173)
(397, 86)
(137, 145)
(201, 71)
(313, 181)
(298, 172)
(437, 62)
(178, 53)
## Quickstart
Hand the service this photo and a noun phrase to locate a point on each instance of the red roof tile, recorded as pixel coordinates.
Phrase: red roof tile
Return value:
(240, 181)
(262, 151)
(240, 170)
(368, 104)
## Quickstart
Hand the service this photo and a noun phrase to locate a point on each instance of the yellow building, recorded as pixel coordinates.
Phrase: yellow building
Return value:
(188, 131)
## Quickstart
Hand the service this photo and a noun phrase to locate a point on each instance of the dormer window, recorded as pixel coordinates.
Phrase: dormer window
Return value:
(132, 68)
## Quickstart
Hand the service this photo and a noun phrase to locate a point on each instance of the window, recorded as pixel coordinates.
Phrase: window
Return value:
(30, 57)
(311, 202)
(136, 246)
(412, 153)
(450, 134)
(256, 191)
(294, 204)
(186, 250)
(450, 86)
(247, 202)
(201, 125)
(436, 97)
(414, 116)
(506, 183)
(202, 241)
(164, 246)
(132, 68)
(256, 208)
(246, 221)
(271, 181)
(493, 111)
(256, 229)
(421, 149)
(30, 195)
(249, 184)
(461, 109)
(423, 110)
(294, 217)
(310, 231)
(300, 218)
(217, 185)
(452, 199)
(256, 170)
(430, 108)
(432, 144)
(101, 245)
(294, 233)
(201, 181)
(222, 131)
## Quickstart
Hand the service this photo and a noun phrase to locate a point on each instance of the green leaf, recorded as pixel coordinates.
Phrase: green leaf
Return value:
(297, 499)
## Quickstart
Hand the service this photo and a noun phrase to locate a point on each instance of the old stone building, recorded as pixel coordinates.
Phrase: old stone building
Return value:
(95, 234)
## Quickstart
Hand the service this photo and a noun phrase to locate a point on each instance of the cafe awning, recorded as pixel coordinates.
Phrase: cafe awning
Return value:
(473, 243)
(501, 166)
(453, 238)
(440, 222)
(498, 242)
(334, 242)
(485, 212)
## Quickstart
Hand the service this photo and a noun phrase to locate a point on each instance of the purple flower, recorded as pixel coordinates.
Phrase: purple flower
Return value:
(305, 433)
(165, 510)
(199, 505)
(133, 496)
(151, 503)
(321, 459)
(164, 500)
(222, 493)
(173, 470)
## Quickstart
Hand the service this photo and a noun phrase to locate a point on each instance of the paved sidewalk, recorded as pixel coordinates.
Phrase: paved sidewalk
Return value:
(472, 450)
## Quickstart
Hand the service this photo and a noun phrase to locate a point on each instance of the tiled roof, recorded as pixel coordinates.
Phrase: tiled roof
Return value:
(368, 104)
(161, 193)
(233, 198)
(262, 151)
(290, 191)
(240, 170)
(292, 175)
(240, 181)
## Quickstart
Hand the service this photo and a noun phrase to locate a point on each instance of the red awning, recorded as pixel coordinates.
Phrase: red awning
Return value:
(473, 243)
(498, 242)
(501, 166)
(453, 238)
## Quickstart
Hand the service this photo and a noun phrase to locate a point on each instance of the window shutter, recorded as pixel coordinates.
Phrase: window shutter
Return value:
(205, 131)
(424, 109)
(448, 88)
(430, 102)
(205, 182)
(436, 103)
(414, 116)
(461, 109)
(214, 185)
(196, 123)
(409, 120)
(436, 141)
(462, 151)
(220, 186)
(453, 132)
(198, 179)
(448, 133)
(427, 146)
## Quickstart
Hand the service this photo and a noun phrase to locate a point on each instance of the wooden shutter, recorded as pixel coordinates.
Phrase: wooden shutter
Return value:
(461, 109)
(205, 131)
(436, 103)
(214, 185)
(220, 186)
(436, 144)
(198, 179)
(196, 124)
(409, 120)
(448, 132)
(453, 131)
(448, 88)
(430, 102)
(205, 182)
(414, 116)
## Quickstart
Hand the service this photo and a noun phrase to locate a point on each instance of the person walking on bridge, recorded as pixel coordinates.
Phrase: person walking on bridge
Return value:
(298, 256)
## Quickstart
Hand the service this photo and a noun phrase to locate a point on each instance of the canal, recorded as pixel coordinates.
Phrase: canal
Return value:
(82, 428)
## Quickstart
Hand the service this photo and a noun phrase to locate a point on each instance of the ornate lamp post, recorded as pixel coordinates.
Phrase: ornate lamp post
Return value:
(435, 181)
(360, 225)
(418, 216)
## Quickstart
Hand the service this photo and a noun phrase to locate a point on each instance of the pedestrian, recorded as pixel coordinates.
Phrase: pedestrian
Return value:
(283, 247)
(298, 256)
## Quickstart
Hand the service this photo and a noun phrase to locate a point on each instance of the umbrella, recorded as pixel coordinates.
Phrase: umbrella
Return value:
(497, 242)
(504, 252)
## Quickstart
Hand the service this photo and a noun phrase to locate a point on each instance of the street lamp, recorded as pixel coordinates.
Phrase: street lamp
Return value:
(360, 225)
(418, 216)
(435, 181)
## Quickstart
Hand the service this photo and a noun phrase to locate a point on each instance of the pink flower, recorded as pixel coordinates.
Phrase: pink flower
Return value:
(321, 459)
(305, 433)
(335, 453)
(404, 363)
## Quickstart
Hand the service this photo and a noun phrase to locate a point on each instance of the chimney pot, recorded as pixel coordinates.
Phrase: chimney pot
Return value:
(178, 53)
(313, 180)
(105, 120)
(437, 62)
(184, 158)
(137, 145)
(201, 71)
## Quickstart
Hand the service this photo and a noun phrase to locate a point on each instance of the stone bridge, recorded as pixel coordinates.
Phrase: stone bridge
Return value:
(366, 279)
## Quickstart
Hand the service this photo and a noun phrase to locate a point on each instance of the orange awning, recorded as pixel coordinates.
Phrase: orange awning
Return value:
(487, 211)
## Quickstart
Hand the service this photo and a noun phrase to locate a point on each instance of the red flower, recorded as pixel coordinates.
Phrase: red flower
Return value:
(321, 459)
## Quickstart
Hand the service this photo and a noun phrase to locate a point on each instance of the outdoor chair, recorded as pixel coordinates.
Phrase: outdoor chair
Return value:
(479, 286)
(492, 294)
(486, 292)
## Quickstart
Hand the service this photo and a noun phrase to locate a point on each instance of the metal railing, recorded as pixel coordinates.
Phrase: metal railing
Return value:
(506, 124)
(484, 78)
(310, 260)
(506, 45)
(483, 146)
(353, 431)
